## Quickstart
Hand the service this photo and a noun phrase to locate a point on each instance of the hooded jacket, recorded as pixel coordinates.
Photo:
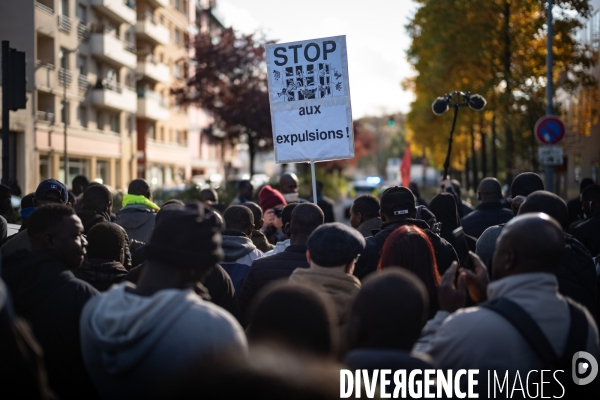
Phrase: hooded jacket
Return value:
(49, 296)
(240, 253)
(367, 227)
(101, 274)
(135, 346)
(369, 258)
(484, 216)
(260, 241)
(138, 221)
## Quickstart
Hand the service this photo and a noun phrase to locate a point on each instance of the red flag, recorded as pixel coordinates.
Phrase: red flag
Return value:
(405, 167)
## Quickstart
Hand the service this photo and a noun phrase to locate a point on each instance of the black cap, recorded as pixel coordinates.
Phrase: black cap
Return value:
(52, 185)
(335, 244)
(186, 236)
(397, 201)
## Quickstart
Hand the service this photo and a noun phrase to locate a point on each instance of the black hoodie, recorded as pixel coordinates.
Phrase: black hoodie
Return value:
(49, 296)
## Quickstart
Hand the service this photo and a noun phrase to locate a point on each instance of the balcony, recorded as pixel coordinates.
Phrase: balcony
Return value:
(44, 8)
(151, 105)
(83, 82)
(109, 48)
(45, 116)
(45, 76)
(121, 10)
(112, 95)
(149, 29)
(64, 23)
(65, 77)
(83, 32)
(149, 67)
(159, 3)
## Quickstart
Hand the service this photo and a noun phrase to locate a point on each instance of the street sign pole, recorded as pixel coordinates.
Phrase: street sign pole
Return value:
(549, 169)
(5, 111)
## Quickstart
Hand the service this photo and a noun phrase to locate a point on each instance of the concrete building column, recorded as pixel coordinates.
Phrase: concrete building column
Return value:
(93, 163)
(112, 173)
(54, 160)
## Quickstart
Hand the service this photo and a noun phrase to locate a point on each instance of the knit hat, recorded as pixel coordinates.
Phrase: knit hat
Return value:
(397, 201)
(269, 198)
(335, 244)
(186, 236)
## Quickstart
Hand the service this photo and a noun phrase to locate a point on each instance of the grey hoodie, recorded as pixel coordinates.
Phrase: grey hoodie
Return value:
(138, 221)
(134, 346)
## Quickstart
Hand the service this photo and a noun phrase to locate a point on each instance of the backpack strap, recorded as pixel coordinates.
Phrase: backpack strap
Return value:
(578, 333)
(526, 326)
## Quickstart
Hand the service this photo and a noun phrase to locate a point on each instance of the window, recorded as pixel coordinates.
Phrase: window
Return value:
(82, 65)
(102, 172)
(177, 137)
(113, 120)
(177, 35)
(64, 9)
(177, 4)
(177, 71)
(64, 58)
(150, 131)
(82, 14)
(64, 112)
(162, 133)
(100, 120)
(82, 116)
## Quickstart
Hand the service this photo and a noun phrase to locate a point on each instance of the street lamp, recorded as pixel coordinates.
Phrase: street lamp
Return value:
(65, 115)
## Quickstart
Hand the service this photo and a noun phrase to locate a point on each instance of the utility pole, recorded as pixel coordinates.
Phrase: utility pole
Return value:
(5, 110)
(549, 169)
(65, 120)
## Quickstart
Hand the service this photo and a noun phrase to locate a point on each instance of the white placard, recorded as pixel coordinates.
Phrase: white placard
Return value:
(550, 155)
(310, 100)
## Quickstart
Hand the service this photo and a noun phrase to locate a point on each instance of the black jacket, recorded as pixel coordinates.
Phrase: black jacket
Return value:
(588, 233)
(484, 216)
(369, 258)
(51, 299)
(326, 205)
(101, 274)
(267, 269)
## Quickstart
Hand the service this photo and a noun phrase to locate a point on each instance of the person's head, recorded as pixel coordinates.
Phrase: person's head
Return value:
(334, 245)
(389, 311)
(257, 213)
(239, 218)
(456, 187)
(27, 200)
(585, 182)
(533, 242)
(443, 206)
(306, 217)
(590, 199)
(97, 197)
(365, 207)
(50, 191)
(409, 247)
(187, 241)
(398, 203)
(489, 191)
(140, 187)
(288, 183)
(5, 199)
(548, 203)
(270, 198)
(169, 204)
(522, 186)
(414, 188)
(79, 184)
(296, 316)
(245, 189)
(106, 241)
(209, 197)
(286, 217)
(55, 229)
(319, 186)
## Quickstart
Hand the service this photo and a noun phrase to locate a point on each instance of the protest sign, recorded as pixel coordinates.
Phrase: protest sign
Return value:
(310, 100)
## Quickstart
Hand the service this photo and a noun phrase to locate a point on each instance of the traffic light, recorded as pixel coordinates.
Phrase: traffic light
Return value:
(18, 80)
(391, 121)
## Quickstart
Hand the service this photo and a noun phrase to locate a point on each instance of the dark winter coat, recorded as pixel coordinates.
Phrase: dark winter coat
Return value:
(138, 221)
(101, 274)
(588, 233)
(268, 269)
(326, 205)
(260, 241)
(369, 258)
(51, 299)
(484, 216)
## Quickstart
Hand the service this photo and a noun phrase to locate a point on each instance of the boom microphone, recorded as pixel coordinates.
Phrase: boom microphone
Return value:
(476, 102)
(440, 106)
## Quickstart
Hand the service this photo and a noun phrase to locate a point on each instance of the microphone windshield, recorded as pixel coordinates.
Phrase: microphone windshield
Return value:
(439, 106)
(476, 102)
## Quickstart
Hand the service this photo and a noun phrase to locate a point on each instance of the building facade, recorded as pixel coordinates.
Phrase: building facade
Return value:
(100, 74)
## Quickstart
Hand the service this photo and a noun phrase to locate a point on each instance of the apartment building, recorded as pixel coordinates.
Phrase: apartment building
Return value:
(100, 74)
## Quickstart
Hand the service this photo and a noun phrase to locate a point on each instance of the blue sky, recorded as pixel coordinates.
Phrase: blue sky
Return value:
(375, 37)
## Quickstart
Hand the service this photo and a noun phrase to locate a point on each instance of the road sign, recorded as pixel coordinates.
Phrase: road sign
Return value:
(549, 130)
(550, 155)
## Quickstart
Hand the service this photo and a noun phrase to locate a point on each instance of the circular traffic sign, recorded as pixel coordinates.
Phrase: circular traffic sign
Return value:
(549, 130)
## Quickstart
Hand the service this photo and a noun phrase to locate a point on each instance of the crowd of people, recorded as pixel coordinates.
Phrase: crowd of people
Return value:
(271, 298)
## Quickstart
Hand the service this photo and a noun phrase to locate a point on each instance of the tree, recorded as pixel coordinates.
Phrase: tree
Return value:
(230, 81)
(364, 144)
(496, 48)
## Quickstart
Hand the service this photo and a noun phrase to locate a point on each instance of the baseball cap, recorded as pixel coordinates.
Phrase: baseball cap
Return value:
(397, 201)
(52, 185)
(335, 244)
